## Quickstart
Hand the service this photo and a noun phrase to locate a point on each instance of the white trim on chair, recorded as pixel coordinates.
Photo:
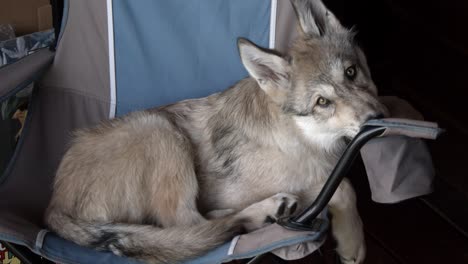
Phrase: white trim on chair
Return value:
(274, 5)
(232, 246)
(110, 35)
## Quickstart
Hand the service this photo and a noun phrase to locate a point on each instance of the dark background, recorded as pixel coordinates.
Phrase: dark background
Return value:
(418, 50)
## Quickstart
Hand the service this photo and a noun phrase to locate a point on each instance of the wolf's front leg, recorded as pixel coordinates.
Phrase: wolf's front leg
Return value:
(259, 214)
(347, 225)
(268, 210)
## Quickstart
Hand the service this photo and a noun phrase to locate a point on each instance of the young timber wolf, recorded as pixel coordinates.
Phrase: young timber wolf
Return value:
(171, 183)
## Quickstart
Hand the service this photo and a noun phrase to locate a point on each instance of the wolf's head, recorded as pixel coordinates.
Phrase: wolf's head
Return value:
(323, 82)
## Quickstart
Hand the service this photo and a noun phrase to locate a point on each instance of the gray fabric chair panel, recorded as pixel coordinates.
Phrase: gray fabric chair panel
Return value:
(14, 75)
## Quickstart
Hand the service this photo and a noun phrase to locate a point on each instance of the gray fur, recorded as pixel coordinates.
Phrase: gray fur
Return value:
(144, 185)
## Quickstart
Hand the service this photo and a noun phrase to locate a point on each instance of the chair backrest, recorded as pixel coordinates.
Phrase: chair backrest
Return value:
(166, 51)
(117, 56)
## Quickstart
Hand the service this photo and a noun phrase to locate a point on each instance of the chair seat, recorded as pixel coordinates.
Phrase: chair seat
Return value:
(274, 238)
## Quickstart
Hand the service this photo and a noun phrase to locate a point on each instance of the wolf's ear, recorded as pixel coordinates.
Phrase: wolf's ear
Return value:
(315, 19)
(270, 70)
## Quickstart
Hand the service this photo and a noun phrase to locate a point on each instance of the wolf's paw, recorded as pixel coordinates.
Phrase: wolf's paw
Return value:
(354, 254)
(269, 210)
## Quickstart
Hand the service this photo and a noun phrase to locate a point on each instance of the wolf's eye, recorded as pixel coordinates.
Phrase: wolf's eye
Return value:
(323, 102)
(351, 72)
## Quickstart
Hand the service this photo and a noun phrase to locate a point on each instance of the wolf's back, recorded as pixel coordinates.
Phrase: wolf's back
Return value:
(145, 242)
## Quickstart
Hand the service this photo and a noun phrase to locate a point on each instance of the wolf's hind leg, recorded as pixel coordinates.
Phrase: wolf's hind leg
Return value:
(172, 183)
(174, 203)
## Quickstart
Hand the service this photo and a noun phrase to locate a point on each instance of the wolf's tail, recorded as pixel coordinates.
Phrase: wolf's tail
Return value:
(146, 242)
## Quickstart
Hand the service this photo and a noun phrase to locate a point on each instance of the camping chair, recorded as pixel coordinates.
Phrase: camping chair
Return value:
(112, 57)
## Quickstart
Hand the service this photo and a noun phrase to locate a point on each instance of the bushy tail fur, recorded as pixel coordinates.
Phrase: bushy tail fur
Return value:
(145, 242)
